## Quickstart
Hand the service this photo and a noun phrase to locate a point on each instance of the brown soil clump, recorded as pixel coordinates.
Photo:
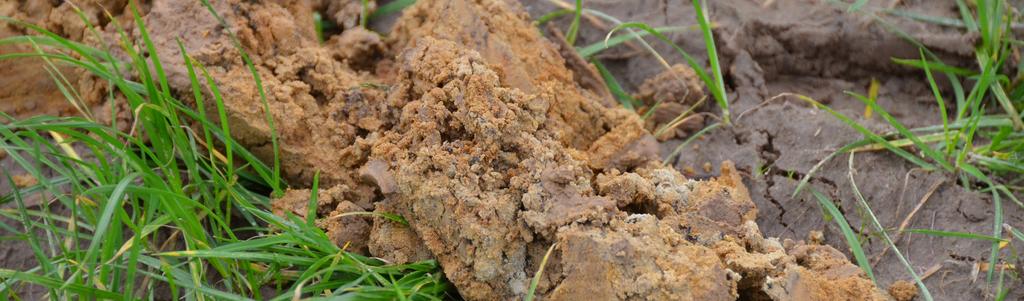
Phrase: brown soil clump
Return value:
(473, 128)
(346, 13)
(670, 94)
(342, 226)
(821, 49)
(24, 180)
(903, 290)
(29, 88)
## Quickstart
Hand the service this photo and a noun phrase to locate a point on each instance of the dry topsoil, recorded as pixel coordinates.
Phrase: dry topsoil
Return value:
(493, 142)
(820, 49)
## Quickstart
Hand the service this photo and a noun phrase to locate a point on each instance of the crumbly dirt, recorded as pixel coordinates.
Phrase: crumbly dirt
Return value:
(33, 91)
(345, 13)
(469, 123)
(492, 159)
(473, 128)
(24, 180)
(903, 290)
(670, 94)
(816, 49)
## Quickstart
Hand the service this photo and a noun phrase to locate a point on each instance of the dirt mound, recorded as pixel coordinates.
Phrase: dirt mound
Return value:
(485, 143)
(819, 49)
(468, 123)
(29, 85)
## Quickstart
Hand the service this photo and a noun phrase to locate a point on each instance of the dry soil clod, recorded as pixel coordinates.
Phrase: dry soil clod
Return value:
(486, 143)
(24, 180)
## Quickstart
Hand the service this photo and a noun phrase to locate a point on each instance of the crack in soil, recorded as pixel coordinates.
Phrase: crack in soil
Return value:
(769, 159)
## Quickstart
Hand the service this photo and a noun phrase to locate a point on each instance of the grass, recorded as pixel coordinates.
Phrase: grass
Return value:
(832, 213)
(175, 203)
(171, 205)
(714, 81)
(391, 8)
(979, 141)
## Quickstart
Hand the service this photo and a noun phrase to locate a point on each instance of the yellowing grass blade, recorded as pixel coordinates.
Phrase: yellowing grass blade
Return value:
(872, 96)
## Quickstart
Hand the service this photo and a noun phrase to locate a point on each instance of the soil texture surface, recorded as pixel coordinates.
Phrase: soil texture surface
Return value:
(497, 144)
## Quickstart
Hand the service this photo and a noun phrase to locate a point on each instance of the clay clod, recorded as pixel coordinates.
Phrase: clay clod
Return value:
(483, 140)
(376, 171)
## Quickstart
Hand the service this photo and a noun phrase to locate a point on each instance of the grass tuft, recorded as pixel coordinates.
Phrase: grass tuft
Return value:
(975, 143)
(171, 202)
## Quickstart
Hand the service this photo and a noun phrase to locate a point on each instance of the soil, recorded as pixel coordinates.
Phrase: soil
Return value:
(496, 144)
(816, 49)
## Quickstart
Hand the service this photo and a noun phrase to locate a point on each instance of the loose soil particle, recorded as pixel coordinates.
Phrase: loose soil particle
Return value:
(24, 180)
(903, 291)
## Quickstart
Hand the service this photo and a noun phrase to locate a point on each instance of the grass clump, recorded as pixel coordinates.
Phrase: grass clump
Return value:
(173, 205)
(979, 141)
(714, 81)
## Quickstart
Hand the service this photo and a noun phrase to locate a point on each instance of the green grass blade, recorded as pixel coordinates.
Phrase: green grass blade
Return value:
(276, 184)
(716, 69)
(314, 195)
(624, 98)
(923, 63)
(927, 149)
(997, 231)
(867, 133)
(688, 140)
(53, 283)
(391, 8)
(719, 94)
(597, 47)
(574, 28)
(536, 278)
(235, 255)
(851, 238)
(925, 293)
(112, 203)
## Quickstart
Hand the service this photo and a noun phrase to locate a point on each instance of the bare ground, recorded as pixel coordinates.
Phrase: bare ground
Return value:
(816, 49)
(471, 125)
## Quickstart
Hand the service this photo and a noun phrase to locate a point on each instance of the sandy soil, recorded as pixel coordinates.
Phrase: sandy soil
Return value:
(496, 144)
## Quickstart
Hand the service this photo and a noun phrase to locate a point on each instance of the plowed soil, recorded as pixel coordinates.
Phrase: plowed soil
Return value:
(496, 144)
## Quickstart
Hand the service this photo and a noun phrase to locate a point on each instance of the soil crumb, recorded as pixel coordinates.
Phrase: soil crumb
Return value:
(24, 180)
(347, 14)
(670, 94)
(903, 290)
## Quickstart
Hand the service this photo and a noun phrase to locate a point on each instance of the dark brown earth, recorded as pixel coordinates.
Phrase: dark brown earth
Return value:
(816, 49)
(470, 124)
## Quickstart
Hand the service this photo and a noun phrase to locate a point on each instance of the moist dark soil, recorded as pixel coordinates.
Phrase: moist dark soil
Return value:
(497, 143)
